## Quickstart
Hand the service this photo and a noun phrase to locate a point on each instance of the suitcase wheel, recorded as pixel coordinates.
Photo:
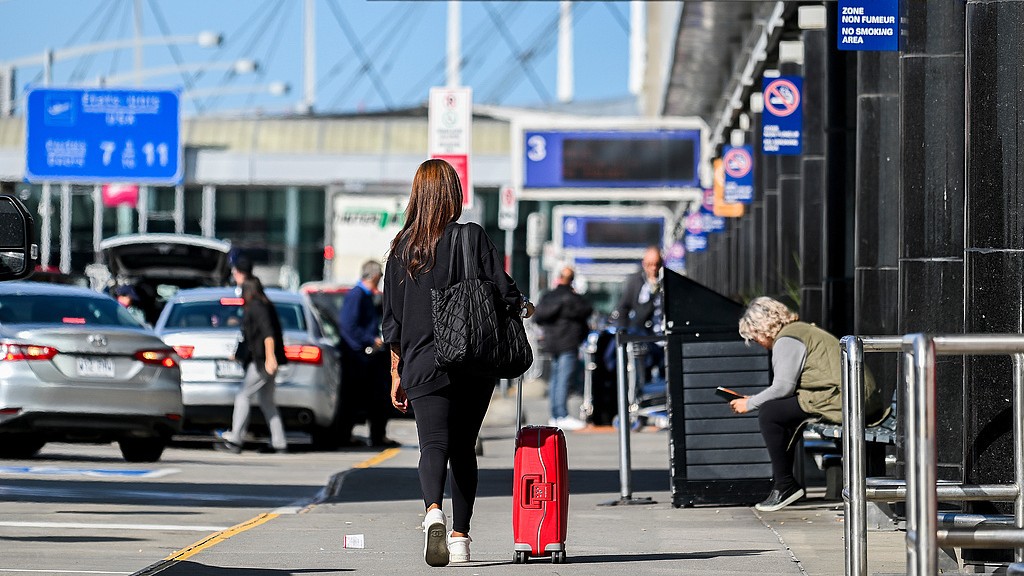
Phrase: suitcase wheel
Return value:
(558, 557)
(520, 557)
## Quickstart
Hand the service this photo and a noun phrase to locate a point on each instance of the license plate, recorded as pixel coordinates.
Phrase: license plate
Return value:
(96, 367)
(228, 369)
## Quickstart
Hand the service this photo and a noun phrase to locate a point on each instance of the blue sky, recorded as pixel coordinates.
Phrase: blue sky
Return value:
(404, 43)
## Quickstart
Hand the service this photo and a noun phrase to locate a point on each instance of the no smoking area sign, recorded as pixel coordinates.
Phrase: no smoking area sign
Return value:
(508, 208)
(739, 174)
(782, 120)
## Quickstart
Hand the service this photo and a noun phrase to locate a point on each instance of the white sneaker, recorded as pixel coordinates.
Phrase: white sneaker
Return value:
(458, 548)
(435, 530)
(569, 423)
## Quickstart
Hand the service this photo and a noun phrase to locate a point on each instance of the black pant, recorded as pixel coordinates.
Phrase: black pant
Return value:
(779, 420)
(448, 422)
(365, 391)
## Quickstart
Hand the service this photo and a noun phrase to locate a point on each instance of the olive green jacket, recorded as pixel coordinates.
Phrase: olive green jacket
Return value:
(819, 389)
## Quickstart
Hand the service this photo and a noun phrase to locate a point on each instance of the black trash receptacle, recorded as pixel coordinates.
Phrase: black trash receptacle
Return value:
(717, 457)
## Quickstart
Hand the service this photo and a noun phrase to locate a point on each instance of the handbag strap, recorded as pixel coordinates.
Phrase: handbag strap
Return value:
(452, 247)
(469, 267)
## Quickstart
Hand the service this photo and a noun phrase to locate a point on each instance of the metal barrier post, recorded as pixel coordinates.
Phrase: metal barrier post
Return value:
(1018, 447)
(922, 467)
(625, 467)
(624, 455)
(854, 469)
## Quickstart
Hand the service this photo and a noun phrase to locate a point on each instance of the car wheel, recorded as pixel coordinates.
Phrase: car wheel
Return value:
(142, 449)
(20, 445)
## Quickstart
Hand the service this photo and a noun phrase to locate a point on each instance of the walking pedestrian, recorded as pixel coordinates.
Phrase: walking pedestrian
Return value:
(365, 378)
(261, 353)
(448, 407)
(805, 385)
(563, 315)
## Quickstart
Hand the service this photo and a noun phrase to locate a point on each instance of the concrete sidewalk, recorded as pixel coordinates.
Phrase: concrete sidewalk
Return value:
(381, 502)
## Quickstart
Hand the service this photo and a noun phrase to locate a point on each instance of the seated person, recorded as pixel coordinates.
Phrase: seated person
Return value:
(805, 386)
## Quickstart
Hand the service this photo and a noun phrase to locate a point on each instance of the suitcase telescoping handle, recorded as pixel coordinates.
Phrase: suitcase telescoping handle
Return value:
(519, 402)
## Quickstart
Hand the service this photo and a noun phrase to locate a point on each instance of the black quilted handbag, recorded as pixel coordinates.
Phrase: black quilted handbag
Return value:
(475, 330)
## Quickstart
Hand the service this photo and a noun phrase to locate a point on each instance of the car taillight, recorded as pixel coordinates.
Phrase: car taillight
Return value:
(156, 357)
(26, 352)
(306, 354)
(232, 301)
(185, 352)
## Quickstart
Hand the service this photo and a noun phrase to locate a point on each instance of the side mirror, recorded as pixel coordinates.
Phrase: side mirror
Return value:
(18, 250)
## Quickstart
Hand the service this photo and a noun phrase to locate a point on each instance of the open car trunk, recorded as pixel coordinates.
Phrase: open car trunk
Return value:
(158, 265)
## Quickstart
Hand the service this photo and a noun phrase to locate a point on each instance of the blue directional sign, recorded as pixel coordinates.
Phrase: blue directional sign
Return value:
(869, 25)
(103, 135)
(782, 121)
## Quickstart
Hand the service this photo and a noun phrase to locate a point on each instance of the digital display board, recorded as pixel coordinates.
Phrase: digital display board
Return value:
(612, 159)
(595, 232)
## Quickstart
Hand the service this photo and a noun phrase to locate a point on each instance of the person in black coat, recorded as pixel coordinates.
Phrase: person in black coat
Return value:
(449, 407)
(365, 379)
(261, 353)
(563, 315)
(640, 308)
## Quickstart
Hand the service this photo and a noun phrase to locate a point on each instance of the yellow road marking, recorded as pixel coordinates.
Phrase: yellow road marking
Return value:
(385, 455)
(214, 539)
(217, 538)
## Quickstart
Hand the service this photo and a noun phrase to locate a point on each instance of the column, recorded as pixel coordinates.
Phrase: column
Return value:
(209, 214)
(931, 265)
(994, 254)
(877, 208)
(812, 179)
(291, 227)
(787, 264)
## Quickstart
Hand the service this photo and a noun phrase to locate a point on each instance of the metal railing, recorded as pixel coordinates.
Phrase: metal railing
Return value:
(855, 446)
(922, 490)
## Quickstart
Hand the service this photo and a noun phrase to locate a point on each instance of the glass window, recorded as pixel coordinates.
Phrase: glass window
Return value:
(226, 314)
(40, 309)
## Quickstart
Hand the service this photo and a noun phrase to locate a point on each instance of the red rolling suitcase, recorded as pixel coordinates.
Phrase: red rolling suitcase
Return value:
(540, 496)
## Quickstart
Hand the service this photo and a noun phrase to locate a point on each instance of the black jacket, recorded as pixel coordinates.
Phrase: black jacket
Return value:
(407, 317)
(631, 313)
(563, 314)
(260, 321)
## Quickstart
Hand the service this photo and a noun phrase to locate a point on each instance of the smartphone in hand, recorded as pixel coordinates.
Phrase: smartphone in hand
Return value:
(727, 394)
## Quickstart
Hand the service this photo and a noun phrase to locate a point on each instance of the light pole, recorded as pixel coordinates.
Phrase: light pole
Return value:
(273, 88)
(205, 39)
(241, 66)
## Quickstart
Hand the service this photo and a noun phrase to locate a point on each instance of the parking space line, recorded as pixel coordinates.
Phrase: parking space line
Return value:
(99, 526)
(31, 571)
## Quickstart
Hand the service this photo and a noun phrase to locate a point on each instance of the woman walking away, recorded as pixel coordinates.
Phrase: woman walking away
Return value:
(805, 386)
(449, 407)
(261, 352)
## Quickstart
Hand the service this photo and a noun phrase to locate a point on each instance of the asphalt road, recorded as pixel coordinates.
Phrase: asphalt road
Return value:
(80, 509)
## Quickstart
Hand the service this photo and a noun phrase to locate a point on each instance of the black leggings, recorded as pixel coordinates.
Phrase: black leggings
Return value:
(448, 423)
(779, 420)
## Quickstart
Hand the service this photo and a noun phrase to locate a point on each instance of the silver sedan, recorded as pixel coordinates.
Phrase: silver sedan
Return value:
(203, 326)
(75, 366)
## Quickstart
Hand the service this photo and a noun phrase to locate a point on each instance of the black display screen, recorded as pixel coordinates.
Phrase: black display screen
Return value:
(628, 160)
(623, 233)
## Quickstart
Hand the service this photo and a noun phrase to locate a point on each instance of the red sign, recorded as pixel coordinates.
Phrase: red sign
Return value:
(120, 195)
(461, 164)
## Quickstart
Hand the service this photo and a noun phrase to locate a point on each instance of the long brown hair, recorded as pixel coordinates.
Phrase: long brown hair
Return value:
(435, 201)
(252, 290)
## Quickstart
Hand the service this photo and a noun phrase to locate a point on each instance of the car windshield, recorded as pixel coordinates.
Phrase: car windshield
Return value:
(69, 310)
(226, 314)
